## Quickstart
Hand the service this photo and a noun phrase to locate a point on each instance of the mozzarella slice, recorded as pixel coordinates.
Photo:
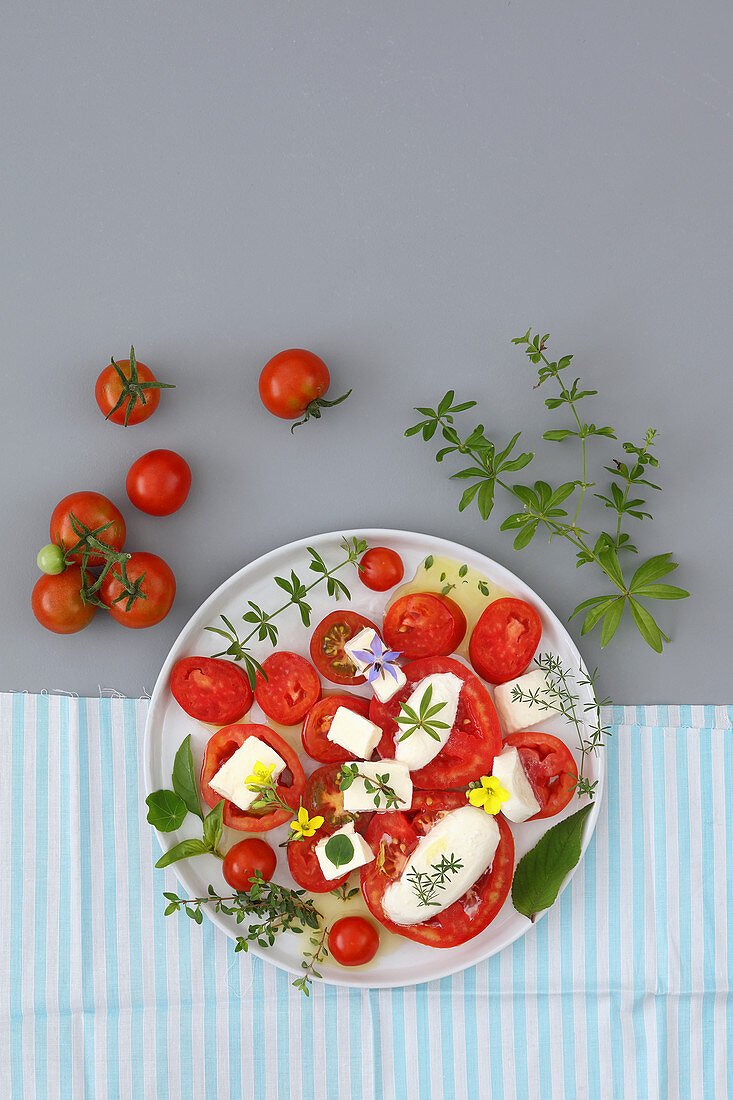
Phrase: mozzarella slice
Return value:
(420, 748)
(362, 853)
(468, 834)
(359, 643)
(357, 799)
(520, 716)
(354, 733)
(230, 780)
(508, 769)
(386, 685)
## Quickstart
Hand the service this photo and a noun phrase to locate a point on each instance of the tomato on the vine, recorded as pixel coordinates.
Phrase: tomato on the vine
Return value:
(381, 568)
(128, 392)
(244, 858)
(353, 941)
(57, 604)
(93, 511)
(292, 385)
(158, 482)
(153, 578)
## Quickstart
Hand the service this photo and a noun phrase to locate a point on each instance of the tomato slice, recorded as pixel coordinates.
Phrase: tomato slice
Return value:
(474, 741)
(323, 796)
(504, 640)
(304, 865)
(327, 646)
(318, 723)
(550, 768)
(394, 836)
(211, 690)
(290, 690)
(289, 787)
(424, 624)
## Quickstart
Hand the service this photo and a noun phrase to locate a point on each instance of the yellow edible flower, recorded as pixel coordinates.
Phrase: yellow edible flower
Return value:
(261, 777)
(303, 825)
(489, 796)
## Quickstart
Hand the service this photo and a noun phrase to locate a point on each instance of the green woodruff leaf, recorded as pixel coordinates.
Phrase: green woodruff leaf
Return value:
(541, 873)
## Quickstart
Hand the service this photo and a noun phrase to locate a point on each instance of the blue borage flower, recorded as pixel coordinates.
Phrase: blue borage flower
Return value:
(378, 660)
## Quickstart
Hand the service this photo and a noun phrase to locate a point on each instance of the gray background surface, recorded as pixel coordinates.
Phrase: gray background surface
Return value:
(400, 188)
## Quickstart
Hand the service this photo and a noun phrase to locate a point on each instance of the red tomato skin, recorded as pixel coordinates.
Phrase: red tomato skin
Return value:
(291, 380)
(398, 838)
(304, 865)
(504, 640)
(424, 624)
(224, 744)
(158, 482)
(57, 604)
(211, 690)
(381, 568)
(93, 510)
(290, 690)
(353, 941)
(108, 389)
(159, 586)
(544, 757)
(323, 796)
(470, 749)
(318, 723)
(244, 858)
(331, 633)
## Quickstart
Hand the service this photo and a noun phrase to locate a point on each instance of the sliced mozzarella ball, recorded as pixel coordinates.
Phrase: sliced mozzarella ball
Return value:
(467, 834)
(354, 733)
(230, 780)
(397, 776)
(515, 715)
(362, 853)
(420, 748)
(508, 769)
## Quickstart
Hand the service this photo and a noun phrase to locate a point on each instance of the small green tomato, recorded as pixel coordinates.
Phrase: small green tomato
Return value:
(51, 559)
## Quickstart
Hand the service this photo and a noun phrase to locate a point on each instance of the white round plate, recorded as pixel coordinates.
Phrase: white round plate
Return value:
(405, 963)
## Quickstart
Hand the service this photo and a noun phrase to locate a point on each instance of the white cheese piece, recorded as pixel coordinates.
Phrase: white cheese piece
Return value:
(520, 716)
(358, 799)
(362, 853)
(419, 748)
(354, 733)
(361, 642)
(508, 769)
(469, 834)
(386, 685)
(230, 780)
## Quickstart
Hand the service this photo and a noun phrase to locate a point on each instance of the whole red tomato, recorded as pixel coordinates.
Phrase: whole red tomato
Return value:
(156, 583)
(246, 857)
(127, 392)
(57, 604)
(293, 383)
(158, 482)
(353, 941)
(381, 568)
(93, 511)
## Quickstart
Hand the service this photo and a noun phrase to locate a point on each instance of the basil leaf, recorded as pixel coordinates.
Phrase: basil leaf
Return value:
(184, 778)
(213, 825)
(340, 850)
(166, 810)
(541, 873)
(182, 851)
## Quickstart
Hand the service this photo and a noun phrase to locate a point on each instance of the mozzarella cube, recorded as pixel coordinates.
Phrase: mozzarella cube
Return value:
(397, 776)
(515, 715)
(508, 769)
(420, 748)
(354, 733)
(361, 642)
(231, 779)
(386, 685)
(362, 853)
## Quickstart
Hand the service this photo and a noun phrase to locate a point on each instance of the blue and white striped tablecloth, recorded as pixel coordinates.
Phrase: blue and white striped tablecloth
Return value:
(622, 990)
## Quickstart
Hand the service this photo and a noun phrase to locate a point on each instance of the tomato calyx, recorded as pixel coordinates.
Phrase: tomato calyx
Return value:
(89, 543)
(133, 390)
(313, 408)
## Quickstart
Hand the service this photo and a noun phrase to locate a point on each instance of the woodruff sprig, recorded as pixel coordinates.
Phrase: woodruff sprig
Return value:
(377, 786)
(542, 505)
(263, 627)
(426, 720)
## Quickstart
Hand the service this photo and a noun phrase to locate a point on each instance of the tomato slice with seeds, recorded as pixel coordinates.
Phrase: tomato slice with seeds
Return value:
(289, 786)
(318, 723)
(290, 690)
(550, 768)
(474, 741)
(327, 646)
(395, 835)
(211, 690)
(504, 640)
(424, 624)
(323, 796)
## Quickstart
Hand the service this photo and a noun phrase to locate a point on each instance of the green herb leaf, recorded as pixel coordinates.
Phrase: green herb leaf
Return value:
(166, 810)
(340, 850)
(184, 778)
(183, 850)
(542, 871)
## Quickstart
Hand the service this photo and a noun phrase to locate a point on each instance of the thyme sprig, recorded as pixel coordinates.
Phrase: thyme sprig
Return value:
(378, 786)
(427, 886)
(311, 959)
(425, 720)
(542, 505)
(261, 622)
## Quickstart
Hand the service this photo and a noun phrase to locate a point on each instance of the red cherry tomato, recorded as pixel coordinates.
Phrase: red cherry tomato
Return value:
(381, 568)
(353, 941)
(158, 587)
(327, 646)
(211, 690)
(246, 857)
(290, 690)
(318, 723)
(93, 511)
(550, 768)
(291, 380)
(57, 604)
(158, 482)
(424, 624)
(140, 391)
(504, 640)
